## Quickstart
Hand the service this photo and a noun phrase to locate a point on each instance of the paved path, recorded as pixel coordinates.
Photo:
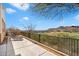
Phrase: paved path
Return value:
(22, 47)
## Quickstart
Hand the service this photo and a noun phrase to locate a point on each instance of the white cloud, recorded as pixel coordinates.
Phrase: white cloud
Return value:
(25, 18)
(10, 10)
(77, 17)
(21, 6)
(20, 27)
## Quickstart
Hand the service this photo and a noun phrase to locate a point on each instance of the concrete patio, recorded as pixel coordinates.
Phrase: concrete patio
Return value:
(22, 47)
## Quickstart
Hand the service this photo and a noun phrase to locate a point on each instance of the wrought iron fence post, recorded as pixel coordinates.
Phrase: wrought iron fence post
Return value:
(69, 45)
(77, 48)
(39, 37)
(29, 34)
(58, 42)
(74, 47)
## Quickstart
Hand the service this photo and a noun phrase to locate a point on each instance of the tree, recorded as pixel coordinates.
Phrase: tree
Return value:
(14, 31)
(53, 10)
(61, 9)
(29, 30)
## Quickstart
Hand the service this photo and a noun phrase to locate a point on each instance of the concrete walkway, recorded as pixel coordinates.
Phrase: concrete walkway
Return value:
(22, 47)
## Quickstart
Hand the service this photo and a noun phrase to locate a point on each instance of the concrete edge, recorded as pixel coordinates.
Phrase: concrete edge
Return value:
(47, 48)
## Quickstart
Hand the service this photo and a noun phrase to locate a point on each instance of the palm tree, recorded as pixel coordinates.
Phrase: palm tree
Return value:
(52, 10)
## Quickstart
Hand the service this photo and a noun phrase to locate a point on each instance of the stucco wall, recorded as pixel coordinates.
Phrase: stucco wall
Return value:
(2, 24)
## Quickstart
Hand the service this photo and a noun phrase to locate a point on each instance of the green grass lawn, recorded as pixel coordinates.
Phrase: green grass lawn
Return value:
(74, 35)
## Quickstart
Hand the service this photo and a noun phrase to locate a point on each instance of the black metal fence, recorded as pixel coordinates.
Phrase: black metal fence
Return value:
(67, 45)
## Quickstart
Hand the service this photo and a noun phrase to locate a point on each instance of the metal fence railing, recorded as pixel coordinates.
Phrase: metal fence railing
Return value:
(67, 45)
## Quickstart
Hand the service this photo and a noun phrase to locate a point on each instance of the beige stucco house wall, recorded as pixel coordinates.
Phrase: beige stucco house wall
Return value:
(2, 24)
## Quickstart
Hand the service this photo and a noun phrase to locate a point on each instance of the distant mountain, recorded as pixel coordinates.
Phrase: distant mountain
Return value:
(65, 29)
(60, 29)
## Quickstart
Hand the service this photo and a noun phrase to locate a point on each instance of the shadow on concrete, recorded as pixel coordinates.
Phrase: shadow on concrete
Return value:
(7, 49)
(18, 55)
(10, 50)
(17, 38)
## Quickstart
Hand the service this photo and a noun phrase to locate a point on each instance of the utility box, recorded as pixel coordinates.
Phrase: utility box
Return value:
(2, 24)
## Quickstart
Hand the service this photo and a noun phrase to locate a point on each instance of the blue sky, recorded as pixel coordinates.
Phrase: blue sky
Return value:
(17, 16)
